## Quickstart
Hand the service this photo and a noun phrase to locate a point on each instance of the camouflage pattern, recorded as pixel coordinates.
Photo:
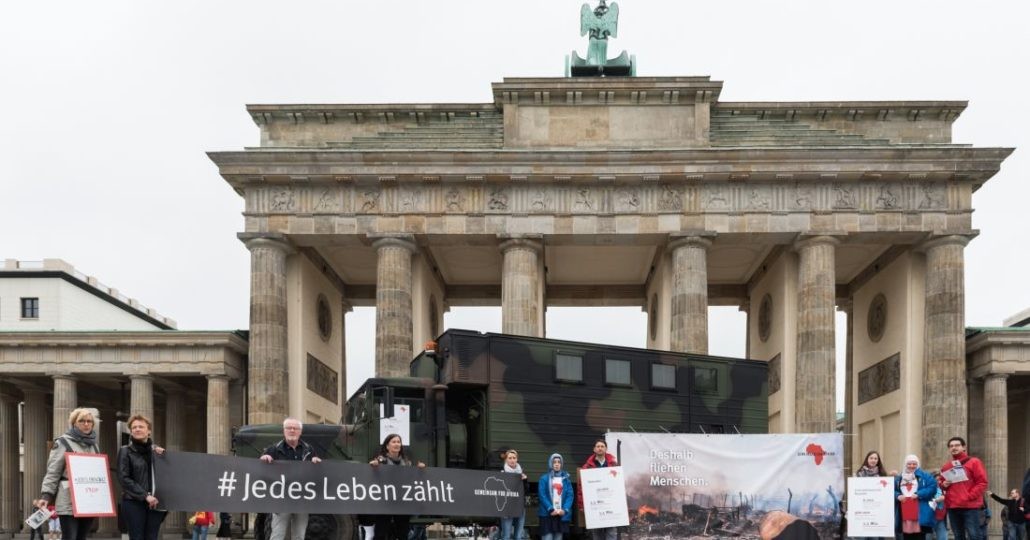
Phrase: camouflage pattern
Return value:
(498, 391)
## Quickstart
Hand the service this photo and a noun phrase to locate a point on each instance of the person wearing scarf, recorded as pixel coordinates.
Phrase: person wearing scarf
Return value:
(81, 437)
(391, 454)
(511, 528)
(136, 476)
(872, 465)
(556, 498)
(914, 489)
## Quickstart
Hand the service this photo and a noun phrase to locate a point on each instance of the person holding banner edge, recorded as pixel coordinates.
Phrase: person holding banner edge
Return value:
(556, 499)
(511, 528)
(81, 437)
(136, 476)
(290, 448)
(391, 452)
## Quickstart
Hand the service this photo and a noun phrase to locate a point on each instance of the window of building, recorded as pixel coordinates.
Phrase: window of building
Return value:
(568, 367)
(663, 377)
(616, 372)
(30, 308)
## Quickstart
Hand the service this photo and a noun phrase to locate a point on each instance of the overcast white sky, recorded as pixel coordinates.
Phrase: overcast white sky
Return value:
(112, 105)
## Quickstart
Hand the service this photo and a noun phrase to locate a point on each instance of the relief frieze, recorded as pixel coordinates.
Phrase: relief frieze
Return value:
(879, 379)
(621, 198)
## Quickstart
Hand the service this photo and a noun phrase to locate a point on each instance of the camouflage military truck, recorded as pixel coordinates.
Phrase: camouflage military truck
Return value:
(475, 395)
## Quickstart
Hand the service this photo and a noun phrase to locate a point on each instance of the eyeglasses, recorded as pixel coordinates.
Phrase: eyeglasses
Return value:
(80, 421)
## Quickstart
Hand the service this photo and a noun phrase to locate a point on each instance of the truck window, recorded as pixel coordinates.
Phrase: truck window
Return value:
(568, 367)
(616, 372)
(663, 377)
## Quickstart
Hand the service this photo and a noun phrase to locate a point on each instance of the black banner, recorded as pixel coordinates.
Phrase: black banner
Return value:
(188, 481)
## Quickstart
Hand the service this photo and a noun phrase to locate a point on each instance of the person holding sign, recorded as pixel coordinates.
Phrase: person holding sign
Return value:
(914, 489)
(964, 481)
(136, 476)
(391, 453)
(81, 437)
(600, 458)
(556, 498)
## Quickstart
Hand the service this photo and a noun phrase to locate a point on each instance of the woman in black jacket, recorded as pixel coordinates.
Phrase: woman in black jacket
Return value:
(136, 476)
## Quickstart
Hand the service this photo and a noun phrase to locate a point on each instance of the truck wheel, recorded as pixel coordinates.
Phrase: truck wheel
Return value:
(330, 527)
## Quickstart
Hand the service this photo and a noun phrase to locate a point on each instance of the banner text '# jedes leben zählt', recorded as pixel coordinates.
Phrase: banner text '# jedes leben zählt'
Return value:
(189, 481)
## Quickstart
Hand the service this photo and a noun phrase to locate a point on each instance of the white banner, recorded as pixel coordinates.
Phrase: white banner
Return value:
(871, 506)
(680, 484)
(604, 497)
(399, 423)
(89, 485)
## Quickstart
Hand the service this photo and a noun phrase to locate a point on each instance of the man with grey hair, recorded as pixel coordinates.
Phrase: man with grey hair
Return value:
(291, 448)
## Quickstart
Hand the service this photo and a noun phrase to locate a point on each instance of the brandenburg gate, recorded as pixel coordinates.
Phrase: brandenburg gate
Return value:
(623, 191)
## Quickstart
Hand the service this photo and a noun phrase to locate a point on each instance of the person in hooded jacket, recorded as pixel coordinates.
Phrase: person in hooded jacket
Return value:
(556, 499)
(136, 476)
(81, 437)
(914, 489)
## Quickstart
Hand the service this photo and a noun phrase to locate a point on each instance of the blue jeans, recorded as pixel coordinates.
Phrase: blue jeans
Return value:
(940, 529)
(200, 532)
(511, 528)
(1015, 531)
(551, 536)
(967, 523)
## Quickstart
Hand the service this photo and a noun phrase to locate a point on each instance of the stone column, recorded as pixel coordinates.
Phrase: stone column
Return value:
(174, 440)
(9, 473)
(268, 378)
(816, 357)
(393, 305)
(975, 438)
(745, 308)
(996, 438)
(218, 430)
(66, 399)
(520, 287)
(689, 319)
(848, 307)
(944, 357)
(35, 434)
(141, 396)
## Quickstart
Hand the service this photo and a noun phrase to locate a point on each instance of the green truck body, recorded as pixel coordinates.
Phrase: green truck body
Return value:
(477, 394)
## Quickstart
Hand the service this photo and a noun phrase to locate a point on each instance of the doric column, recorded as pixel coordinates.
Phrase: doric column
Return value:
(996, 437)
(268, 376)
(975, 438)
(393, 305)
(174, 440)
(9, 474)
(520, 287)
(816, 358)
(944, 357)
(141, 396)
(689, 319)
(35, 434)
(848, 307)
(66, 398)
(218, 431)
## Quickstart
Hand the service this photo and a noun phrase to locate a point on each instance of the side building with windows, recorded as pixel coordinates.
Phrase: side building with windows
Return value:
(67, 340)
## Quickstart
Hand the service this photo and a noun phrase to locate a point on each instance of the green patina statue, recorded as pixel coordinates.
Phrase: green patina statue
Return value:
(600, 23)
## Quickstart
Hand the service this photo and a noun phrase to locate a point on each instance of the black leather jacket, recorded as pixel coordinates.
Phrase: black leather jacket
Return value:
(135, 470)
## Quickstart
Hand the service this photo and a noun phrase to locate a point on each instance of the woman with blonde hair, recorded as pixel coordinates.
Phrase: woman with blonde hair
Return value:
(81, 437)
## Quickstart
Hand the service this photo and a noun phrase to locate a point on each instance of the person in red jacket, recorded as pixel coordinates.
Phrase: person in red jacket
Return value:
(600, 458)
(964, 481)
(203, 520)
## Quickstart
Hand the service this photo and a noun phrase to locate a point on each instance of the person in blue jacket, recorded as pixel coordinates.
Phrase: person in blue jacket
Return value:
(914, 489)
(556, 498)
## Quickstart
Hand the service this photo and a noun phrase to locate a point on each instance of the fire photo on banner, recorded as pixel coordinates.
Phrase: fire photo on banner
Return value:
(680, 484)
